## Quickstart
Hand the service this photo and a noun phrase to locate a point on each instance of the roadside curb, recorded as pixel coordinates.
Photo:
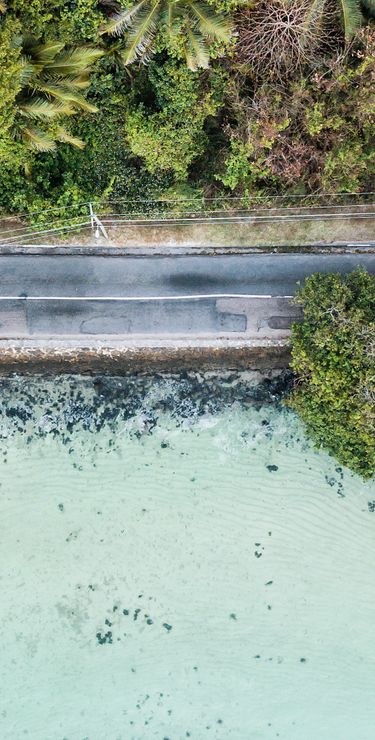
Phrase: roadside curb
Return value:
(103, 250)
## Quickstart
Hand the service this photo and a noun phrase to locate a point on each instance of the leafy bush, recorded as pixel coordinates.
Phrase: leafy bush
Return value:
(315, 132)
(80, 20)
(171, 138)
(10, 68)
(71, 21)
(333, 353)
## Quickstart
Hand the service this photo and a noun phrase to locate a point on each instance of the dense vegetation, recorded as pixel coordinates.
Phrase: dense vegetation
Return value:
(334, 359)
(107, 99)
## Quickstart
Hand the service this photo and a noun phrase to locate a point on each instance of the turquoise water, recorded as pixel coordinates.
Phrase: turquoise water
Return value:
(177, 561)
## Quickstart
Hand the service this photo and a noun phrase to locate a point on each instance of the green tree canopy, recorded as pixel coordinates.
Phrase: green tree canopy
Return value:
(192, 21)
(172, 137)
(52, 79)
(333, 353)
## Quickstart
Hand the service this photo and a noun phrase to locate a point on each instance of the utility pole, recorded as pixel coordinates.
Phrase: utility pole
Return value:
(97, 227)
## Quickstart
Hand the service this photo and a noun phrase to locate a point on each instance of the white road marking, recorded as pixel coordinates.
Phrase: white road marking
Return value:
(139, 298)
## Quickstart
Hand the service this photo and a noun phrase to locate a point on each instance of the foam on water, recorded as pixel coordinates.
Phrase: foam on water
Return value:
(176, 560)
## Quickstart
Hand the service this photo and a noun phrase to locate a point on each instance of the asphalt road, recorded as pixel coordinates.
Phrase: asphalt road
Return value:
(60, 275)
(58, 295)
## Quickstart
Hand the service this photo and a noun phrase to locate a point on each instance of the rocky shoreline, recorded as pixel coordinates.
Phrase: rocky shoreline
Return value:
(43, 405)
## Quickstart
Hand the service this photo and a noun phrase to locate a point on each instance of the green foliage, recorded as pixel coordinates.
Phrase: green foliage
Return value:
(247, 164)
(333, 353)
(352, 18)
(80, 20)
(104, 169)
(317, 132)
(186, 25)
(10, 68)
(162, 125)
(171, 138)
(317, 119)
(36, 16)
(346, 167)
(182, 198)
(72, 21)
(51, 80)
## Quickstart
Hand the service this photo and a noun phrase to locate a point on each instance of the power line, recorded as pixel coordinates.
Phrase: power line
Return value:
(25, 229)
(234, 197)
(203, 199)
(191, 217)
(237, 219)
(236, 211)
(194, 216)
(56, 230)
(28, 214)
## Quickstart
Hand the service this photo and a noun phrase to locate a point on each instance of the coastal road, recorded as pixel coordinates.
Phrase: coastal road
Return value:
(243, 295)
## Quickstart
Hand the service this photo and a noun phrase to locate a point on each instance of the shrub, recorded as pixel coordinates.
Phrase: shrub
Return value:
(72, 21)
(80, 21)
(10, 68)
(315, 131)
(333, 355)
(173, 136)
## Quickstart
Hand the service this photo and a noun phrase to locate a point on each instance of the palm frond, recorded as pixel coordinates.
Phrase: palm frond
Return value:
(27, 71)
(170, 10)
(172, 16)
(42, 53)
(43, 109)
(120, 22)
(352, 17)
(44, 81)
(3, 7)
(66, 95)
(80, 102)
(313, 18)
(140, 38)
(37, 139)
(211, 23)
(75, 61)
(51, 82)
(75, 82)
(67, 138)
(196, 52)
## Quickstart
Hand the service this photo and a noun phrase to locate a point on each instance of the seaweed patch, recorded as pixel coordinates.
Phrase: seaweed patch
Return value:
(41, 406)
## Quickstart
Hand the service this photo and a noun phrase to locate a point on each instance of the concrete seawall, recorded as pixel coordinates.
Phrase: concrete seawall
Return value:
(113, 357)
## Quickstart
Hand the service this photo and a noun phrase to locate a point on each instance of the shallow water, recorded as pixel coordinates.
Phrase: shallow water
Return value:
(177, 561)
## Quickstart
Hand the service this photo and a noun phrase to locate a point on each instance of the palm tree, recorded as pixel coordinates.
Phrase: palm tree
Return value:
(352, 13)
(52, 80)
(351, 16)
(194, 20)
